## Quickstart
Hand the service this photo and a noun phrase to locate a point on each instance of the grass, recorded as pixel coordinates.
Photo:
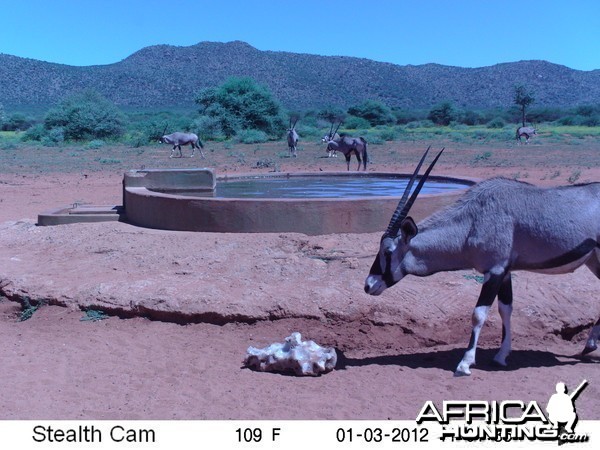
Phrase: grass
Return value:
(28, 309)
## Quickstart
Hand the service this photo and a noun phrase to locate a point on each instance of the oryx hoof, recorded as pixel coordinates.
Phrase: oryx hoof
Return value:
(499, 363)
(462, 370)
(500, 360)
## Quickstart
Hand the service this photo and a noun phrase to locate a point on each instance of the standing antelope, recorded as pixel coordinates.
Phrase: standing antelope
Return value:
(496, 227)
(292, 138)
(348, 146)
(178, 139)
(331, 153)
(525, 131)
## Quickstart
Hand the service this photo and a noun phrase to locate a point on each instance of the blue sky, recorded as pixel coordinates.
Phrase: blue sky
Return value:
(466, 33)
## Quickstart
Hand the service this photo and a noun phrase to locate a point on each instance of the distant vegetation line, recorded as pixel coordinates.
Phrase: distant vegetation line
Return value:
(166, 77)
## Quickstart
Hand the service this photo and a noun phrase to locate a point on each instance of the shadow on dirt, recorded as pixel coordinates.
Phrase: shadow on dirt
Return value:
(448, 360)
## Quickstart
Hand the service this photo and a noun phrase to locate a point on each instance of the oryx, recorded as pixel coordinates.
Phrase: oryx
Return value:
(331, 153)
(292, 138)
(496, 227)
(178, 139)
(348, 146)
(525, 131)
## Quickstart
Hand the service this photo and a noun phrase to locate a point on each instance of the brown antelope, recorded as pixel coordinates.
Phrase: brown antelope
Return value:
(348, 146)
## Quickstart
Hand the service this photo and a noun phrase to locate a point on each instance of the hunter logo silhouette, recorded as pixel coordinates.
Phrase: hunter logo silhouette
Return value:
(561, 406)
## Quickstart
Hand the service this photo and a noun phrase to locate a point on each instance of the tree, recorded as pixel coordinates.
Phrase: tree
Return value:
(86, 115)
(242, 104)
(523, 99)
(373, 111)
(442, 114)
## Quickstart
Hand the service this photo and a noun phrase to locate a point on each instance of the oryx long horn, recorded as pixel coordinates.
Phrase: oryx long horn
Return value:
(336, 130)
(396, 216)
(403, 205)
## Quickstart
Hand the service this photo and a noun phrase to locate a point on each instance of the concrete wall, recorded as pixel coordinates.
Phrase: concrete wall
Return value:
(309, 216)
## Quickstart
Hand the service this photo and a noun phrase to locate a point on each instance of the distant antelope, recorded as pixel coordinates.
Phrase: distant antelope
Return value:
(178, 139)
(498, 226)
(331, 153)
(292, 138)
(525, 131)
(349, 146)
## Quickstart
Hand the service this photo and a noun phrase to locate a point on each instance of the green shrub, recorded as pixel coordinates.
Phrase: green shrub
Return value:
(252, 136)
(53, 137)
(442, 114)
(87, 115)
(34, 133)
(388, 133)
(355, 123)
(374, 112)
(498, 122)
(242, 104)
(96, 144)
(209, 128)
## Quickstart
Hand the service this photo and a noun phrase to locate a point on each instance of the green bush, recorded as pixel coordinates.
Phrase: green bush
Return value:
(34, 133)
(376, 113)
(498, 122)
(53, 137)
(355, 123)
(96, 144)
(209, 128)
(242, 104)
(16, 122)
(87, 115)
(252, 136)
(442, 114)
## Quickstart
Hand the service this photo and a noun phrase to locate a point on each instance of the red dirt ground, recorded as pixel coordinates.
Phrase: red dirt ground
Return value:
(396, 351)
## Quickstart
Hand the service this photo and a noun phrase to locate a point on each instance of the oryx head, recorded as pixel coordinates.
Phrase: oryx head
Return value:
(328, 137)
(163, 138)
(387, 269)
(292, 125)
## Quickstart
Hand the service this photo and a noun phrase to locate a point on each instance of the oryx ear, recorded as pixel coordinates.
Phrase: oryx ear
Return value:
(409, 229)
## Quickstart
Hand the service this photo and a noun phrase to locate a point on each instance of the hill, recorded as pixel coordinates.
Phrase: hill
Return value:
(165, 76)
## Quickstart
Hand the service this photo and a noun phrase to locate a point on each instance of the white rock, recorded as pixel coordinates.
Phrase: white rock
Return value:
(301, 358)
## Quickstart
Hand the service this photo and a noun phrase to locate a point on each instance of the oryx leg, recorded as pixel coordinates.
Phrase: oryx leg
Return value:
(505, 299)
(359, 160)
(492, 282)
(193, 149)
(176, 146)
(592, 341)
(348, 161)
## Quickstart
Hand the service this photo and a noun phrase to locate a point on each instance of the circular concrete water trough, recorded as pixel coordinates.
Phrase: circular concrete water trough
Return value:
(191, 200)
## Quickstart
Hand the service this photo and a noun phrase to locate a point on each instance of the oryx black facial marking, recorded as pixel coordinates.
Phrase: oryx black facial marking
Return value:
(496, 227)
